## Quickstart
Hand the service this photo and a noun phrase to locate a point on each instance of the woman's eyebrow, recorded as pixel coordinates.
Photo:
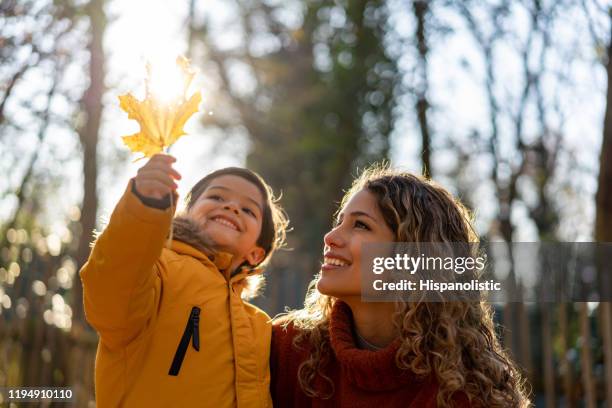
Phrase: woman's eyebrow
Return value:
(363, 213)
(354, 214)
(245, 196)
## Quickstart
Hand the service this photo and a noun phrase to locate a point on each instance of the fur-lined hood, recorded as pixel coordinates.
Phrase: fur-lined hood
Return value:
(187, 230)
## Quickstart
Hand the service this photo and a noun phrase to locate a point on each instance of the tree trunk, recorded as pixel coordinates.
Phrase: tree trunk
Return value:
(525, 340)
(92, 105)
(603, 219)
(564, 364)
(547, 358)
(605, 317)
(421, 9)
(586, 359)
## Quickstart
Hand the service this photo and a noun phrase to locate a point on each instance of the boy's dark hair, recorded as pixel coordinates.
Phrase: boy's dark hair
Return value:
(274, 221)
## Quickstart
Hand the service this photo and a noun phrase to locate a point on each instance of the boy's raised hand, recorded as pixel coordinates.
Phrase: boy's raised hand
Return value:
(156, 178)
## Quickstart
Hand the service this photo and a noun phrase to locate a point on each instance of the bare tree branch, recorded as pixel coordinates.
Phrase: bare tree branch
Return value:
(11, 85)
(20, 193)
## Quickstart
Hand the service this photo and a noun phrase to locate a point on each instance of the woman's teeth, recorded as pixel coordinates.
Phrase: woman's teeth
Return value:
(334, 261)
(226, 223)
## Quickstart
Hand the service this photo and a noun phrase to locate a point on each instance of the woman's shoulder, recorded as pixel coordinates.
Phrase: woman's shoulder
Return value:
(284, 329)
(288, 339)
(285, 360)
(285, 355)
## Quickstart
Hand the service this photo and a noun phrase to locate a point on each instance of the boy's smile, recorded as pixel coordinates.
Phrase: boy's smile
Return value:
(230, 212)
(227, 221)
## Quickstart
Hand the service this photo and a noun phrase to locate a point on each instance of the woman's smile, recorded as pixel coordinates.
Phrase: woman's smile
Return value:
(333, 262)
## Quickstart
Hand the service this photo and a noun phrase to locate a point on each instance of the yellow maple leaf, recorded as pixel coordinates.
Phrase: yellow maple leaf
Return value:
(161, 123)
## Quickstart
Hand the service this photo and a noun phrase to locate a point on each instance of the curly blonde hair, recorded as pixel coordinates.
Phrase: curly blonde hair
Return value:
(453, 342)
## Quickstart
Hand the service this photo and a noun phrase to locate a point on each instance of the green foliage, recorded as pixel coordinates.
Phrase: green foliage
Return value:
(330, 111)
(322, 106)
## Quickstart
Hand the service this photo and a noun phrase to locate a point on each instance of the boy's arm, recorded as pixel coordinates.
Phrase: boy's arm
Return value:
(120, 284)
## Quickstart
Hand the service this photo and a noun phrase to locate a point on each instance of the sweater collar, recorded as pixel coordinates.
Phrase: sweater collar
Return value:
(369, 370)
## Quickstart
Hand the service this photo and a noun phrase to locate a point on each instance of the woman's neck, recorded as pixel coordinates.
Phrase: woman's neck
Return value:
(373, 322)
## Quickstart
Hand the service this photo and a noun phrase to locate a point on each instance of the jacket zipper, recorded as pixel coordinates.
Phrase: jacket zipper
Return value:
(192, 332)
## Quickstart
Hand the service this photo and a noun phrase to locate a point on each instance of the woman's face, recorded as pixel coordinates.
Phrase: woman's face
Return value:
(359, 222)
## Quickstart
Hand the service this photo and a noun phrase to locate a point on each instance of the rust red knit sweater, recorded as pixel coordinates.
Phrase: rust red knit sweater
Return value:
(362, 378)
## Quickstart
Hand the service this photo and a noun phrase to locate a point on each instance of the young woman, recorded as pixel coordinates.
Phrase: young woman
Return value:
(341, 351)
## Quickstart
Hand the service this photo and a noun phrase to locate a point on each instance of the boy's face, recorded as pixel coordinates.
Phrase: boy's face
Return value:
(230, 212)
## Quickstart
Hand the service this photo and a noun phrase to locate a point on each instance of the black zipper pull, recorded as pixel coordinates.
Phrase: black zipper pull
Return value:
(195, 319)
(192, 332)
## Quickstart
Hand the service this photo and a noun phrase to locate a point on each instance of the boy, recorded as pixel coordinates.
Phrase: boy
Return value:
(174, 330)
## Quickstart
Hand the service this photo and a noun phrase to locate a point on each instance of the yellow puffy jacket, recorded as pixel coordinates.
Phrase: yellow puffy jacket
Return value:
(174, 331)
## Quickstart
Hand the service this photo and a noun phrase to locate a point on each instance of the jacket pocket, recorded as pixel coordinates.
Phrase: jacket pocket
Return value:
(192, 332)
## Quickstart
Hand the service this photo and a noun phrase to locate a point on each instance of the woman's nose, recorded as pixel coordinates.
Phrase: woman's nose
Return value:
(334, 238)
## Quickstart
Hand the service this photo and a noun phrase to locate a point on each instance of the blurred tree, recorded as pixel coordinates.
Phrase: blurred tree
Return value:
(88, 135)
(42, 49)
(507, 166)
(91, 104)
(38, 44)
(421, 10)
(603, 218)
(541, 166)
(586, 359)
(565, 367)
(524, 162)
(603, 202)
(321, 105)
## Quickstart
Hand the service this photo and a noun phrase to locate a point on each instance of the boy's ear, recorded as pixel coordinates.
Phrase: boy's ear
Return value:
(256, 255)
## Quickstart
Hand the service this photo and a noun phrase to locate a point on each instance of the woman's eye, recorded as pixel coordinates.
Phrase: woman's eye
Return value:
(249, 211)
(361, 225)
(215, 197)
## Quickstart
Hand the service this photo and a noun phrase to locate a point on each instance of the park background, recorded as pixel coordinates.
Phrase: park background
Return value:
(505, 103)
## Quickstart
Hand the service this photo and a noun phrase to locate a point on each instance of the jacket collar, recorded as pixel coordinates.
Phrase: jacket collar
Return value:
(221, 260)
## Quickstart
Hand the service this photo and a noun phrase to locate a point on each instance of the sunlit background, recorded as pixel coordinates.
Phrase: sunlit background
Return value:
(158, 36)
(304, 93)
(156, 32)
